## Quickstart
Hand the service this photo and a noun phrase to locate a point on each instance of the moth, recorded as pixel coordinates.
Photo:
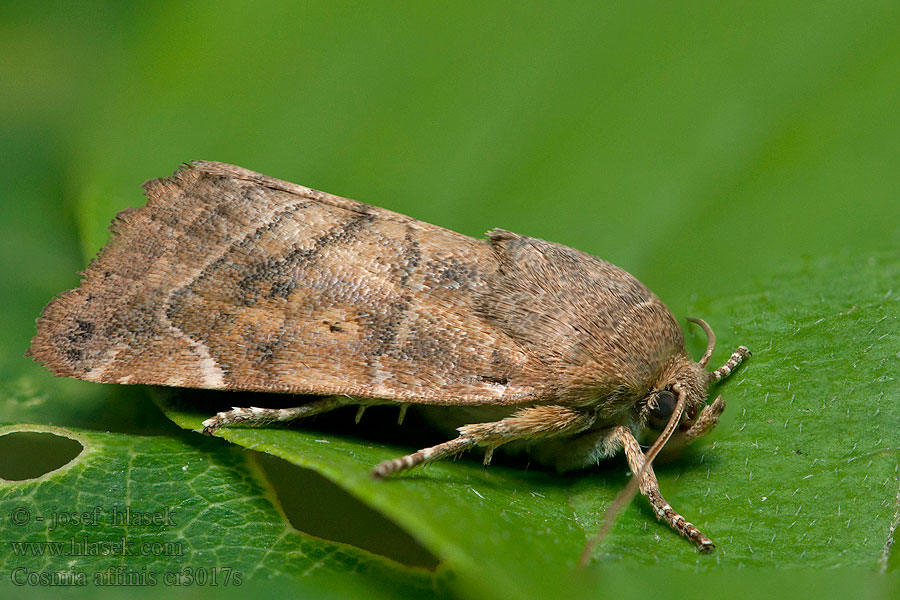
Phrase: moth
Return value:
(231, 280)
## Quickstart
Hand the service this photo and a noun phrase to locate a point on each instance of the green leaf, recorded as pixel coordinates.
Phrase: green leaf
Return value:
(475, 519)
(166, 512)
(801, 471)
(699, 146)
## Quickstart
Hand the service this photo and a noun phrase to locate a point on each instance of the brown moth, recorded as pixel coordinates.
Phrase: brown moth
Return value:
(228, 279)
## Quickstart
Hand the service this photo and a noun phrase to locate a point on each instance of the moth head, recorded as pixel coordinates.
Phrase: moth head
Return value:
(681, 391)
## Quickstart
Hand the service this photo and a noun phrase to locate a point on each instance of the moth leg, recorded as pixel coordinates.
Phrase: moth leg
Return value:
(363, 405)
(526, 423)
(255, 416)
(650, 487)
(730, 365)
(706, 422)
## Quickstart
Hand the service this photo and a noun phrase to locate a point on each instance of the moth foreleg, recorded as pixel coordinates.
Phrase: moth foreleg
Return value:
(731, 364)
(649, 487)
(255, 416)
(526, 423)
(706, 421)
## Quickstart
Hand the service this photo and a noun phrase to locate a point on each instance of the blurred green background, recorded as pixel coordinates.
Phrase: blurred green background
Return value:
(698, 145)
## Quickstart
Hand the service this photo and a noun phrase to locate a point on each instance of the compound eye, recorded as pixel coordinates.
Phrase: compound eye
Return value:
(662, 411)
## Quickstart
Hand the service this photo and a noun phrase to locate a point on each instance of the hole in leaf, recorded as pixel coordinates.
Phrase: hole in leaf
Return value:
(316, 506)
(30, 454)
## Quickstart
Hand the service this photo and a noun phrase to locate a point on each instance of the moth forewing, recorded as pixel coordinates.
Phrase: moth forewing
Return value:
(229, 279)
